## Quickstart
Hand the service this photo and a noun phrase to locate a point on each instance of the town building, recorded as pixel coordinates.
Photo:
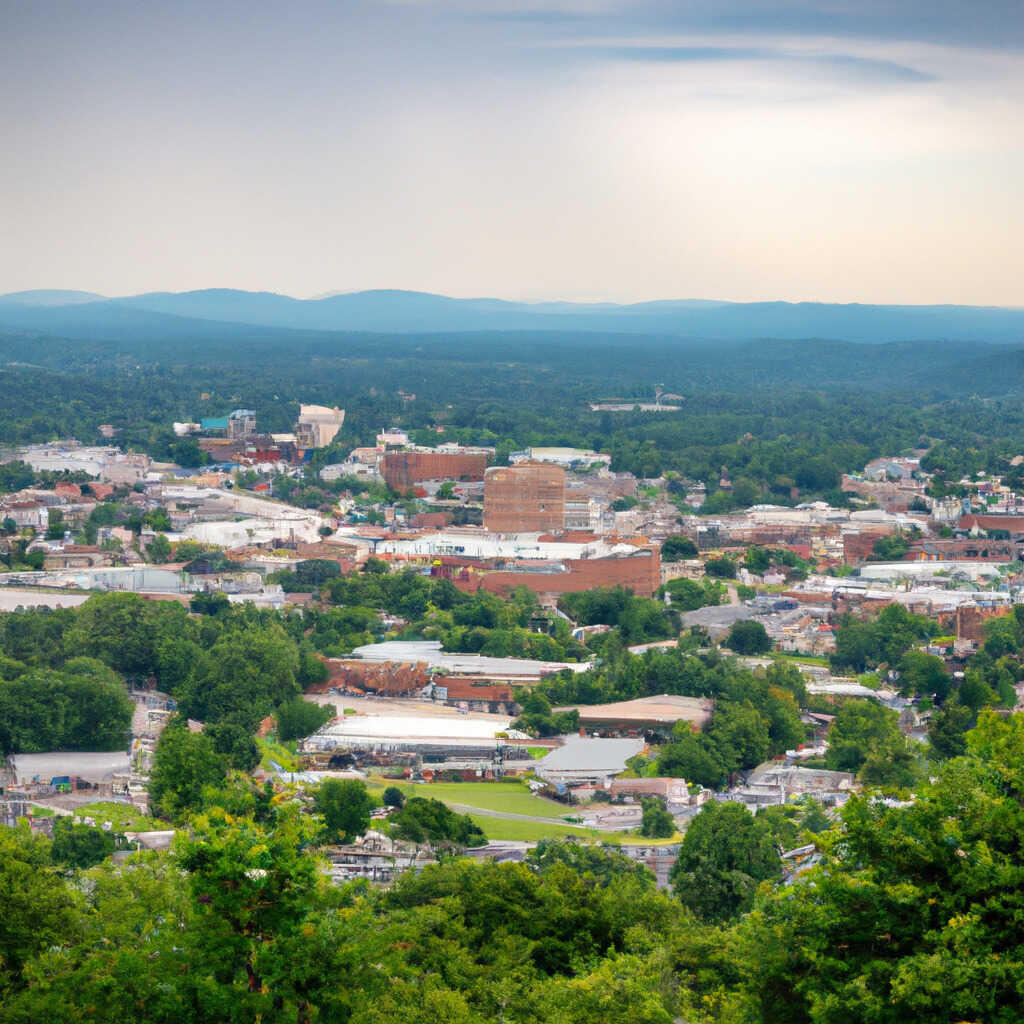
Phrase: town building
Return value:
(404, 469)
(318, 425)
(525, 498)
(241, 423)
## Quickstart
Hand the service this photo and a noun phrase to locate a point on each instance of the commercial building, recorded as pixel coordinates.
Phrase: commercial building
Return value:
(318, 425)
(525, 498)
(567, 457)
(403, 469)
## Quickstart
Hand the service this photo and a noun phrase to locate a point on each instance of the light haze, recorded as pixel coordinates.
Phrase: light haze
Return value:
(579, 150)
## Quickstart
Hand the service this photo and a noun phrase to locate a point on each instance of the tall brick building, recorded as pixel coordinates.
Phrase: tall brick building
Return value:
(527, 498)
(401, 470)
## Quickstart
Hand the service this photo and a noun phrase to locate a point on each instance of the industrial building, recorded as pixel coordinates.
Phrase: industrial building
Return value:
(527, 498)
(644, 715)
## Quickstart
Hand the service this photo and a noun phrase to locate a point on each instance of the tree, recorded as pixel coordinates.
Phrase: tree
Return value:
(675, 549)
(254, 888)
(725, 854)
(235, 745)
(923, 675)
(947, 731)
(80, 846)
(605, 865)
(242, 677)
(298, 718)
(393, 797)
(159, 549)
(82, 707)
(56, 526)
(721, 568)
(861, 728)
(748, 637)
(657, 822)
(39, 910)
(914, 914)
(427, 820)
(184, 764)
(345, 806)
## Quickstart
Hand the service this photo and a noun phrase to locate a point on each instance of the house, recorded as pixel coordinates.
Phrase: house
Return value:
(674, 792)
(26, 514)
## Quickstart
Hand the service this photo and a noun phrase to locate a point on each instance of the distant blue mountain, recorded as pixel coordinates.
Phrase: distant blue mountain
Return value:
(402, 312)
(49, 297)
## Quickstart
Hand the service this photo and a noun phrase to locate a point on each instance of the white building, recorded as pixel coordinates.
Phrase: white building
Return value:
(318, 425)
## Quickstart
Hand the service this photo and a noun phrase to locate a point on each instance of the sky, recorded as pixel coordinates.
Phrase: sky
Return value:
(619, 150)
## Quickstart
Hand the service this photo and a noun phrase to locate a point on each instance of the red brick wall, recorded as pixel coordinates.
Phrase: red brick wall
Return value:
(403, 469)
(640, 573)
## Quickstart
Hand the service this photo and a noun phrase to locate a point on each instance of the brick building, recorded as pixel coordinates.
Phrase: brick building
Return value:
(639, 572)
(526, 498)
(401, 470)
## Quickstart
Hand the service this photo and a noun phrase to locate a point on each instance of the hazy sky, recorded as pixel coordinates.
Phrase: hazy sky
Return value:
(845, 150)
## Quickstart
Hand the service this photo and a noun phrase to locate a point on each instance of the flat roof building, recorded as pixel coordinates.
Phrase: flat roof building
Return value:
(526, 498)
(318, 425)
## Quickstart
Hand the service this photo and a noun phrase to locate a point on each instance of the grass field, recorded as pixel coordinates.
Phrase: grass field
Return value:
(507, 797)
(804, 659)
(121, 816)
(533, 831)
(277, 752)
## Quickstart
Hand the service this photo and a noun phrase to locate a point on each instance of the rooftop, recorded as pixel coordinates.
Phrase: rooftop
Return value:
(664, 709)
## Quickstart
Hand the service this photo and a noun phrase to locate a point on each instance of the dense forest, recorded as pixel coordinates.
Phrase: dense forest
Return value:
(775, 415)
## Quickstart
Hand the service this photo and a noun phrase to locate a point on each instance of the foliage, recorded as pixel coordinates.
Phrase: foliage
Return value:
(184, 764)
(345, 806)
(83, 706)
(725, 853)
(865, 737)
(689, 595)
(675, 549)
(913, 916)
(393, 797)
(721, 568)
(657, 823)
(298, 718)
(865, 644)
(429, 821)
(748, 637)
(79, 846)
(38, 908)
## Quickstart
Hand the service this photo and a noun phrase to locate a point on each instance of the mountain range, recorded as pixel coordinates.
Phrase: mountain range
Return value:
(195, 313)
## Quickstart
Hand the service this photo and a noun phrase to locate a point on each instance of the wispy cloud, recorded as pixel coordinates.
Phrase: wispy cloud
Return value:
(863, 69)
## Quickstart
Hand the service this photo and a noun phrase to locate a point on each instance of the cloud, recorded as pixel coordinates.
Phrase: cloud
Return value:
(998, 24)
(860, 69)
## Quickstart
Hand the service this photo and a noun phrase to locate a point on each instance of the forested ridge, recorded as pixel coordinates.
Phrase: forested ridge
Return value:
(779, 414)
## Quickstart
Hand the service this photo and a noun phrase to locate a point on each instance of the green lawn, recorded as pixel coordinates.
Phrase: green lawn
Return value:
(533, 831)
(804, 659)
(508, 797)
(277, 752)
(122, 816)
